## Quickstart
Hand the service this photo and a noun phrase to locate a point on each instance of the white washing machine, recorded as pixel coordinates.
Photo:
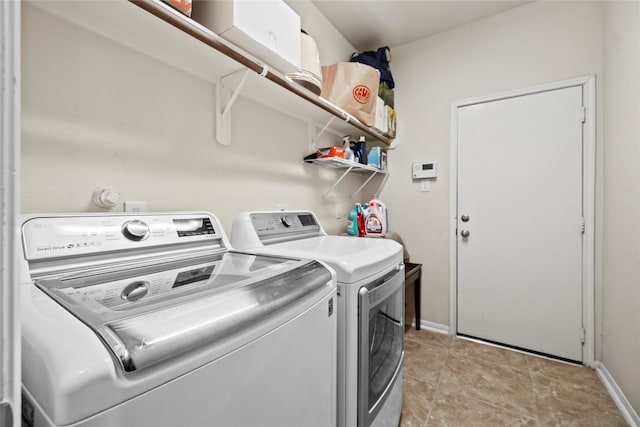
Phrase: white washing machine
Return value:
(150, 320)
(370, 273)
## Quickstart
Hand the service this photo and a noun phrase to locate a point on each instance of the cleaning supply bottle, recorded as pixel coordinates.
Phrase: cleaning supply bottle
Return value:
(376, 224)
(352, 223)
(348, 152)
(362, 231)
(359, 150)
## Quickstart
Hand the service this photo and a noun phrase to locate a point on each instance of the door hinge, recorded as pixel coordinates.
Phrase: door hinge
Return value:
(582, 225)
(583, 334)
(583, 114)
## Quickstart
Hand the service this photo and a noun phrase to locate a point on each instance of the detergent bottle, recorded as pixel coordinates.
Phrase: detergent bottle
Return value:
(352, 223)
(359, 149)
(376, 224)
(361, 217)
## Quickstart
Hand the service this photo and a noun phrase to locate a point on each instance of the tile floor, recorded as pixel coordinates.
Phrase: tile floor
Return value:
(454, 382)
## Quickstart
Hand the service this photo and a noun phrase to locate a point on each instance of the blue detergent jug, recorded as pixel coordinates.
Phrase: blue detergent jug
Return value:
(352, 223)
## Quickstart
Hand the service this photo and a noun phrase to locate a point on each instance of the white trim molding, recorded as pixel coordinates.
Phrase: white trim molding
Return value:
(588, 84)
(629, 414)
(9, 213)
(434, 327)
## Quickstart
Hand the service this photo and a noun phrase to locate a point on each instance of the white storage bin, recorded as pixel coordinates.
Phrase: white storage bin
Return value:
(381, 116)
(267, 29)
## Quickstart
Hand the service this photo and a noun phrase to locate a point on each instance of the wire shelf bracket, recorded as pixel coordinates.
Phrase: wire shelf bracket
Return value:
(225, 98)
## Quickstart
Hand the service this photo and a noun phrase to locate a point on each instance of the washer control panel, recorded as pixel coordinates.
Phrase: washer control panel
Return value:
(62, 236)
(122, 292)
(135, 230)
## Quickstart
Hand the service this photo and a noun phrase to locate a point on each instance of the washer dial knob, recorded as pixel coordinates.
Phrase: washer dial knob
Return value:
(134, 291)
(135, 230)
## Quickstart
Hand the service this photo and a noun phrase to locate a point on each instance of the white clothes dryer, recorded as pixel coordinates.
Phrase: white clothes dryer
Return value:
(370, 274)
(150, 320)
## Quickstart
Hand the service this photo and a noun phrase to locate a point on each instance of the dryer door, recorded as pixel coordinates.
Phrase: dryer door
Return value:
(380, 343)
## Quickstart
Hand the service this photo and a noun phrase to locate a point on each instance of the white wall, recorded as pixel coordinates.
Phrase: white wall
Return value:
(332, 46)
(621, 254)
(98, 114)
(536, 43)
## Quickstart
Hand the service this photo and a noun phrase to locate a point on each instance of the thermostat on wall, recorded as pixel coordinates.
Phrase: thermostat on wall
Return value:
(424, 170)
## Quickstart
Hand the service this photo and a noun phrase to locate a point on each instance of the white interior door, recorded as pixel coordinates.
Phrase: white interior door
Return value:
(519, 204)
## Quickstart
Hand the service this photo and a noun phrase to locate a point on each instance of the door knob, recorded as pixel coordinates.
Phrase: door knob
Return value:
(465, 218)
(465, 233)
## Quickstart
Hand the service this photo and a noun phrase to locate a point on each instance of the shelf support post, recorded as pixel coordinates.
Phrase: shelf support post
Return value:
(337, 182)
(363, 185)
(384, 181)
(224, 101)
(315, 140)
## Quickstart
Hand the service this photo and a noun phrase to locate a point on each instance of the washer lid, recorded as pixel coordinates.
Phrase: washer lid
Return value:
(353, 258)
(151, 313)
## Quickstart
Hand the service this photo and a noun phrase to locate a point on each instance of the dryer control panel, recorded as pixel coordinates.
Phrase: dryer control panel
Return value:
(254, 229)
(280, 226)
(284, 223)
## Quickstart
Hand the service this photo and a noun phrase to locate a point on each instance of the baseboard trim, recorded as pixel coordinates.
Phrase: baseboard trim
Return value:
(630, 415)
(434, 327)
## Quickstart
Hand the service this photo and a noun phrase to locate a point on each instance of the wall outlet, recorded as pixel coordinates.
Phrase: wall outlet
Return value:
(338, 212)
(135, 206)
(425, 185)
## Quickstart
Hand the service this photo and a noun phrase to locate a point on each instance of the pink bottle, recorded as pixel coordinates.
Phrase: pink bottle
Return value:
(376, 223)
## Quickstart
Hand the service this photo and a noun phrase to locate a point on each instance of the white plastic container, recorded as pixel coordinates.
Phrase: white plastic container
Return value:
(310, 73)
(381, 122)
(267, 29)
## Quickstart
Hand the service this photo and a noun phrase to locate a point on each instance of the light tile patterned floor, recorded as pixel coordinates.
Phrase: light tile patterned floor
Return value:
(454, 382)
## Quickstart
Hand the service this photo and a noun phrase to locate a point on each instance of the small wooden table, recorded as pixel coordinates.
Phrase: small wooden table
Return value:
(413, 276)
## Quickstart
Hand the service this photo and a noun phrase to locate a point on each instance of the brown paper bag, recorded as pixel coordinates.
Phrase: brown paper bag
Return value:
(353, 87)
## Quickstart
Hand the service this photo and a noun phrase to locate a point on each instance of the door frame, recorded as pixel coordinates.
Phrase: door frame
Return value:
(588, 84)
(9, 214)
